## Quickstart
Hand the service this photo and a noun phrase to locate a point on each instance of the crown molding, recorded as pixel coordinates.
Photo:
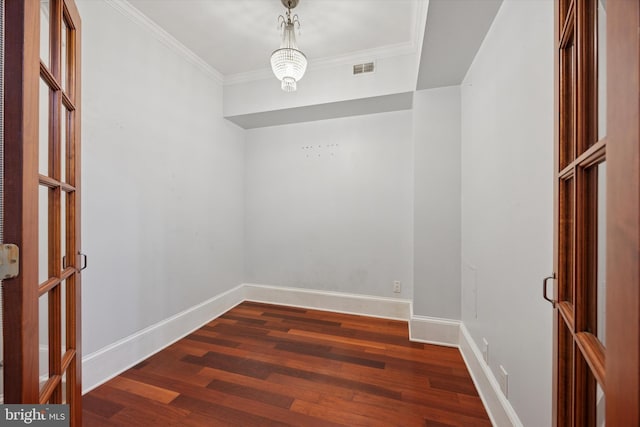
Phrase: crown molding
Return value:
(411, 47)
(347, 59)
(129, 11)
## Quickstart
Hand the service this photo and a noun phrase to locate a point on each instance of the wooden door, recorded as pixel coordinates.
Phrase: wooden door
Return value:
(623, 209)
(41, 306)
(596, 345)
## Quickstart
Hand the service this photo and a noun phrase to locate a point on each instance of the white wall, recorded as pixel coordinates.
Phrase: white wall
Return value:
(436, 249)
(507, 201)
(162, 181)
(329, 204)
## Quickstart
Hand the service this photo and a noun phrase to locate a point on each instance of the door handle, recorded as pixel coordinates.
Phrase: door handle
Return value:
(84, 260)
(544, 289)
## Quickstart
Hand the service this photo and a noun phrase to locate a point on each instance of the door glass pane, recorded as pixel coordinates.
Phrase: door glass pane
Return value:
(600, 413)
(64, 57)
(43, 338)
(45, 31)
(567, 104)
(63, 144)
(63, 231)
(601, 222)
(43, 233)
(70, 123)
(565, 275)
(63, 316)
(65, 399)
(43, 158)
(602, 69)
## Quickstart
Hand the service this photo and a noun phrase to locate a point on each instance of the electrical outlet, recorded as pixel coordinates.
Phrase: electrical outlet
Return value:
(485, 350)
(397, 286)
(504, 381)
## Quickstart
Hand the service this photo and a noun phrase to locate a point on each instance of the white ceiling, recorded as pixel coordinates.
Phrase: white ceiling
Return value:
(238, 36)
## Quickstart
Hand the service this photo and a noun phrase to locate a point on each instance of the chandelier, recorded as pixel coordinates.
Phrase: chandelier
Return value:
(288, 63)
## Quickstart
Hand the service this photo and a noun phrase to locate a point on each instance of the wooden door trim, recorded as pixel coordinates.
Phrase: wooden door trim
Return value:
(21, 199)
(74, 303)
(558, 29)
(623, 214)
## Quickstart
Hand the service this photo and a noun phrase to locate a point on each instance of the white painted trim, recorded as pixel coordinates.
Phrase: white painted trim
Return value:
(434, 330)
(339, 302)
(350, 58)
(139, 18)
(108, 362)
(498, 407)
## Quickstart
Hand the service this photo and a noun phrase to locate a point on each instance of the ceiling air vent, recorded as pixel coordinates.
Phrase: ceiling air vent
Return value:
(363, 68)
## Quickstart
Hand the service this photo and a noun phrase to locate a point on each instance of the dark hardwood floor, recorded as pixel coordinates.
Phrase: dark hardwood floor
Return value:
(266, 365)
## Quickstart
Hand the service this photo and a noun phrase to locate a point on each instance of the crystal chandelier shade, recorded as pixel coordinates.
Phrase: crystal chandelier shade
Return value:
(288, 63)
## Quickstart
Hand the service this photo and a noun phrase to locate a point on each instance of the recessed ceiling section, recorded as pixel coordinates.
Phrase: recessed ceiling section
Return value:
(238, 36)
(332, 110)
(454, 32)
(414, 44)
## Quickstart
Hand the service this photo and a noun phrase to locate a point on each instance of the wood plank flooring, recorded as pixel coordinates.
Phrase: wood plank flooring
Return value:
(266, 365)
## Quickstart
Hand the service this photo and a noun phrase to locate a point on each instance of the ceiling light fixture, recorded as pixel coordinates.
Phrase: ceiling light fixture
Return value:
(288, 63)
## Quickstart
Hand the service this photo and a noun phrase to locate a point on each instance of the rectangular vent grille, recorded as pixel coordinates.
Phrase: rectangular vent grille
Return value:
(363, 68)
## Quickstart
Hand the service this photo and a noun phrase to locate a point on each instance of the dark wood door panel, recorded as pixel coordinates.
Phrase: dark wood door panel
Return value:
(41, 306)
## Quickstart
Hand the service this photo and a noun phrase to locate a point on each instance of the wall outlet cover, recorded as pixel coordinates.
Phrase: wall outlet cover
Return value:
(397, 287)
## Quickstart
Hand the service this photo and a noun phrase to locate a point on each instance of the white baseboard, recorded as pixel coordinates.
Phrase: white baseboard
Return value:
(340, 302)
(108, 362)
(432, 330)
(498, 407)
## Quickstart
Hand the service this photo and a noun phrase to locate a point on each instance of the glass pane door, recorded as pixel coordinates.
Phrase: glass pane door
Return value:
(581, 213)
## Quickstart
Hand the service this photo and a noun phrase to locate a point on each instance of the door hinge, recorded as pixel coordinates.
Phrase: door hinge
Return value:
(9, 261)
